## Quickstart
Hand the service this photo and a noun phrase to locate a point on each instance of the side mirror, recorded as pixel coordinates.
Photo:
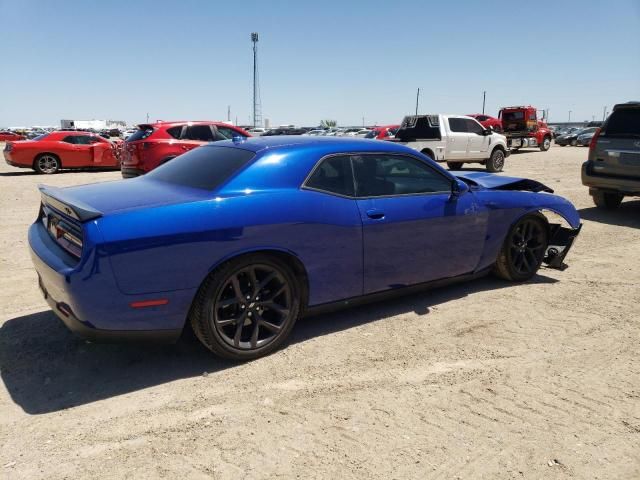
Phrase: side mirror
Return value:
(487, 131)
(459, 188)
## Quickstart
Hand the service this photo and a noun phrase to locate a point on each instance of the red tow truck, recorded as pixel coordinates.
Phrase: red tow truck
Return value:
(523, 129)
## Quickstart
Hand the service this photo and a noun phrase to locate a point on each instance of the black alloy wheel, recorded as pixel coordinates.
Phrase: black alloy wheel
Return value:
(523, 249)
(252, 307)
(247, 308)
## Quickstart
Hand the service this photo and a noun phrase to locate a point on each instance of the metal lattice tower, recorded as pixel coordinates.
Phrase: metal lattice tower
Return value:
(257, 107)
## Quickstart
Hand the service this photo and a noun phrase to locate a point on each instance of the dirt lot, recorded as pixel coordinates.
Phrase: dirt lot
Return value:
(482, 380)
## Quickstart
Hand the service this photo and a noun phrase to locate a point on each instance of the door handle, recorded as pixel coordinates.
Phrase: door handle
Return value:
(375, 214)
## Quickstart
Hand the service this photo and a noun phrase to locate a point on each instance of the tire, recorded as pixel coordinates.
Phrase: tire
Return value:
(429, 154)
(546, 144)
(229, 317)
(47, 164)
(607, 200)
(523, 249)
(496, 161)
(454, 165)
(574, 143)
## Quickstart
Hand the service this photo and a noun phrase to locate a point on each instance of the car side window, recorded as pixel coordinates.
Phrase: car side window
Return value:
(70, 139)
(84, 140)
(175, 132)
(473, 126)
(201, 133)
(333, 175)
(384, 175)
(457, 125)
(226, 133)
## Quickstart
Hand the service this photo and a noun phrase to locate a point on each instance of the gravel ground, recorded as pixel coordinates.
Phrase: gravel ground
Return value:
(482, 380)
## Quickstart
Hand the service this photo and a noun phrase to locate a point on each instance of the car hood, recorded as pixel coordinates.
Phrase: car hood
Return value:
(85, 202)
(492, 181)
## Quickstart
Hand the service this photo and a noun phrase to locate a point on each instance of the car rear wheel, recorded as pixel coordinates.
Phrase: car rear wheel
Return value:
(496, 161)
(608, 200)
(246, 308)
(523, 249)
(455, 165)
(546, 144)
(46, 163)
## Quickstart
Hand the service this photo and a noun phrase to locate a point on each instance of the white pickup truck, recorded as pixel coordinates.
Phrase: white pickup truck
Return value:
(455, 139)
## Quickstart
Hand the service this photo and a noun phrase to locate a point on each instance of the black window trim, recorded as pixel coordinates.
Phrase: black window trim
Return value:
(304, 185)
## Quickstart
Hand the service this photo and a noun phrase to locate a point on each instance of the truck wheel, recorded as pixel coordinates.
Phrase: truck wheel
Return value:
(454, 165)
(546, 144)
(496, 162)
(606, 200)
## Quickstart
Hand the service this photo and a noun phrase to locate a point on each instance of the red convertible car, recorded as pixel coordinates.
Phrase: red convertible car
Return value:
(10, 136)
(53, 151)
(488, 121)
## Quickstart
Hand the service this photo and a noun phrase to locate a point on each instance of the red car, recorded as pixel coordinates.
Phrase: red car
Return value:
(487, 121)
(50, 152)
(154, 144)
(10, 137)
(383, 132)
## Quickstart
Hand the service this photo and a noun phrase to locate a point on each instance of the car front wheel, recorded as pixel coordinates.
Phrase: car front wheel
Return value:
(454, 165)
(523, 250)
(246, 308)
(606, 200)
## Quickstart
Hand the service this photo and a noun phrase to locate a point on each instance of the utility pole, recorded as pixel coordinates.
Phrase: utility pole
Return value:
(362, 122)
(147, 118)
(257, 114)
(417, 100)
(604, 113)
(484, 98)
(569, 117)
(228, 113)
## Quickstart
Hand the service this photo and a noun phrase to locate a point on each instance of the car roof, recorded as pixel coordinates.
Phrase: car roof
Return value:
(299, 142)
(164, 123)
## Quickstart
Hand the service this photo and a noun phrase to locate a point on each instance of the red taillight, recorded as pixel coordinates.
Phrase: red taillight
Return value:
(594, 140)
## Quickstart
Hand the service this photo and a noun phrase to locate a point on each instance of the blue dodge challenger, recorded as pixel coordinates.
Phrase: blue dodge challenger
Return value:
(240, 238)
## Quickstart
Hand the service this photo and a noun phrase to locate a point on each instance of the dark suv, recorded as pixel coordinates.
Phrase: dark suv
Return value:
(613, 169)
(156, 143)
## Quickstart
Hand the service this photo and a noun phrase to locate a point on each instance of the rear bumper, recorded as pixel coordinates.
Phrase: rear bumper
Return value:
(87, 332)
(594, 180)
(128, 172)
(10, 161)
(85, 297)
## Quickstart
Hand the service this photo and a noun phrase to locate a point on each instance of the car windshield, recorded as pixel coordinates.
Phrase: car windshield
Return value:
(206, 167)
(510, 116)
(41, 137)
(371, 134)
(623, 122)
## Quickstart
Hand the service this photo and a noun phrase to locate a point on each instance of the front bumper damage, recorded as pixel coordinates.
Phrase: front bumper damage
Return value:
(561, 240)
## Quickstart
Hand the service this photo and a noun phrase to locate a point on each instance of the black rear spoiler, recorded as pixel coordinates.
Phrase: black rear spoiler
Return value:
(58, 199)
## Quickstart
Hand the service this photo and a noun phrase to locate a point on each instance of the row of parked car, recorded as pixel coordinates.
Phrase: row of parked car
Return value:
(575, 136)
(611, 173)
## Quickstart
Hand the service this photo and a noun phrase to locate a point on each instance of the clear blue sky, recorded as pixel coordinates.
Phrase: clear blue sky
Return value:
(340, 60)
